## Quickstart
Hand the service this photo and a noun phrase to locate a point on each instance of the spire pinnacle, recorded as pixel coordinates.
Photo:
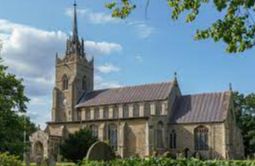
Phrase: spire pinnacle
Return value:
(175, 78)
(75, 27)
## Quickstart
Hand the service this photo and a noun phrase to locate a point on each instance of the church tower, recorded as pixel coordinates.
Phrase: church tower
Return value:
(74, 76)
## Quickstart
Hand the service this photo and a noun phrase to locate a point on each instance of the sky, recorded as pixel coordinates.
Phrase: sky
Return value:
(147, 47)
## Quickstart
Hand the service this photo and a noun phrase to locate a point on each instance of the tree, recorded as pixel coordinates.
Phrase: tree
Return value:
(12, 102)
(75, 147)
(236, 28)
(245, 116)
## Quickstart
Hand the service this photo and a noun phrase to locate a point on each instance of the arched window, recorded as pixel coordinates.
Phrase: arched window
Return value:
(158, 108)
(125, 111)
(172, 140)
(87, 114)
(159, 135)
(201, 138)
(96, 113)
(94, 130)
(147, 109)
(106, 113)
(84, 83)
(115, 112)
(112, 136)
(136, 110)
(64, 82)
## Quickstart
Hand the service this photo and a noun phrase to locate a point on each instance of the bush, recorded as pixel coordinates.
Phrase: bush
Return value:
(9, 160)
(168, 162)
(75, 147)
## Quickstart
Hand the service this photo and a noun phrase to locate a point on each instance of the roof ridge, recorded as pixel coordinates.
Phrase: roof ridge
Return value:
(205, 93)
(132, 86)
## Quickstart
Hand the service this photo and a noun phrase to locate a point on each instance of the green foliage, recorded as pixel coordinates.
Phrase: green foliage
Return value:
(236, 28)
(245, 114)
(122, 11)
(166, 162)
(75, 147)
(9, 160)
(12, 125)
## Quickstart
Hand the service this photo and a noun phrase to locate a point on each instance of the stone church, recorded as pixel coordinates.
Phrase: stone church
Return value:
(136, 120)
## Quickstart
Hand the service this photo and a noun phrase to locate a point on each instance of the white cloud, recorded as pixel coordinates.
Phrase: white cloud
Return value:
(142, 29)
(102, 48)
(30, 54)
(92, 16)
(107, 68)
(101, 83)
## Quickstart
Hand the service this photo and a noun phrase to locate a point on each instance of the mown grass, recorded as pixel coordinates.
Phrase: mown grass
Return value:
(58, 164)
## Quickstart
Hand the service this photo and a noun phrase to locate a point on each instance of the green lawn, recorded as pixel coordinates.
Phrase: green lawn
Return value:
(58, 164)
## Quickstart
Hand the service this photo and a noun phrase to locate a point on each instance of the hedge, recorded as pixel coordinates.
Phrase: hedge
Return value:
(168, 162)
(9, 160)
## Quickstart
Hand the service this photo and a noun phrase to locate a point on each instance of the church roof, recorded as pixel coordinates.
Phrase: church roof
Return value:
(207, 107)
(148, 92)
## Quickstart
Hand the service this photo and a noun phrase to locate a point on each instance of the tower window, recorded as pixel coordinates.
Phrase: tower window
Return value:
(201, 138)
(84, 83)
(64, 82)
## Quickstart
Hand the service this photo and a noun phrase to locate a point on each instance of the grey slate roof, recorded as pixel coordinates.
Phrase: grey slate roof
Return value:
(148, 92)
(207, 107)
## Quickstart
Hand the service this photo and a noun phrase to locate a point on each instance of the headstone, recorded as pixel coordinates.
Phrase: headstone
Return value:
(100, 151)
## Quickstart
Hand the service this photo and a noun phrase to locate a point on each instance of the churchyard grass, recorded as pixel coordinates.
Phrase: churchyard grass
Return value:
(58, 164)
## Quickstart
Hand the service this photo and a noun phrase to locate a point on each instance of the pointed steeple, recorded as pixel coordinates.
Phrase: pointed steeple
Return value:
(75, 37)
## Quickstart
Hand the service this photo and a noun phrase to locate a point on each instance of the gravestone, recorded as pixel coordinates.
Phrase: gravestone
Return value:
(100, 151)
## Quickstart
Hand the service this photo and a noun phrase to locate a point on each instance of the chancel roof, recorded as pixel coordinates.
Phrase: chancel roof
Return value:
(140, 93)
(207, 107)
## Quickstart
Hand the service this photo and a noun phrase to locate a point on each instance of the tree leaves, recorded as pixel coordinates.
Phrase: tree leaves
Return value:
(245, 115)
(121, 11)
(236, 29)
(75, 147)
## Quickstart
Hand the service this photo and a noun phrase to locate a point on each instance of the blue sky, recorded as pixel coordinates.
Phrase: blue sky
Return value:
(141, 49)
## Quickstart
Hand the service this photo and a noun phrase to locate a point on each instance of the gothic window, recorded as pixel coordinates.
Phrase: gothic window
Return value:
(147, 109)
(172, 140)
(158, 108)
(87, 114)
(136, 110)
(106, 113)
(112, 136)
(84, 83)
(64, 82)
(201, 138)
(96, 113)
(115, 112)
(94, 130)
(159, 135)
(125, 111)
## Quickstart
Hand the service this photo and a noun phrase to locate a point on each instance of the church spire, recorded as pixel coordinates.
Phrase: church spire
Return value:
(75, 27)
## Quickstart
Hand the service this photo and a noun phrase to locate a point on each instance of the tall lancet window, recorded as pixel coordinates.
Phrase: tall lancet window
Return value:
(94, 130)
(84, 83)
(159, 135)
(112, 136)
(172, 139)
(201, 138)
(64, 82)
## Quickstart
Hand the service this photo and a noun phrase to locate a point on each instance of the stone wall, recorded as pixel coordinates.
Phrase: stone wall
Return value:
(216, 139)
